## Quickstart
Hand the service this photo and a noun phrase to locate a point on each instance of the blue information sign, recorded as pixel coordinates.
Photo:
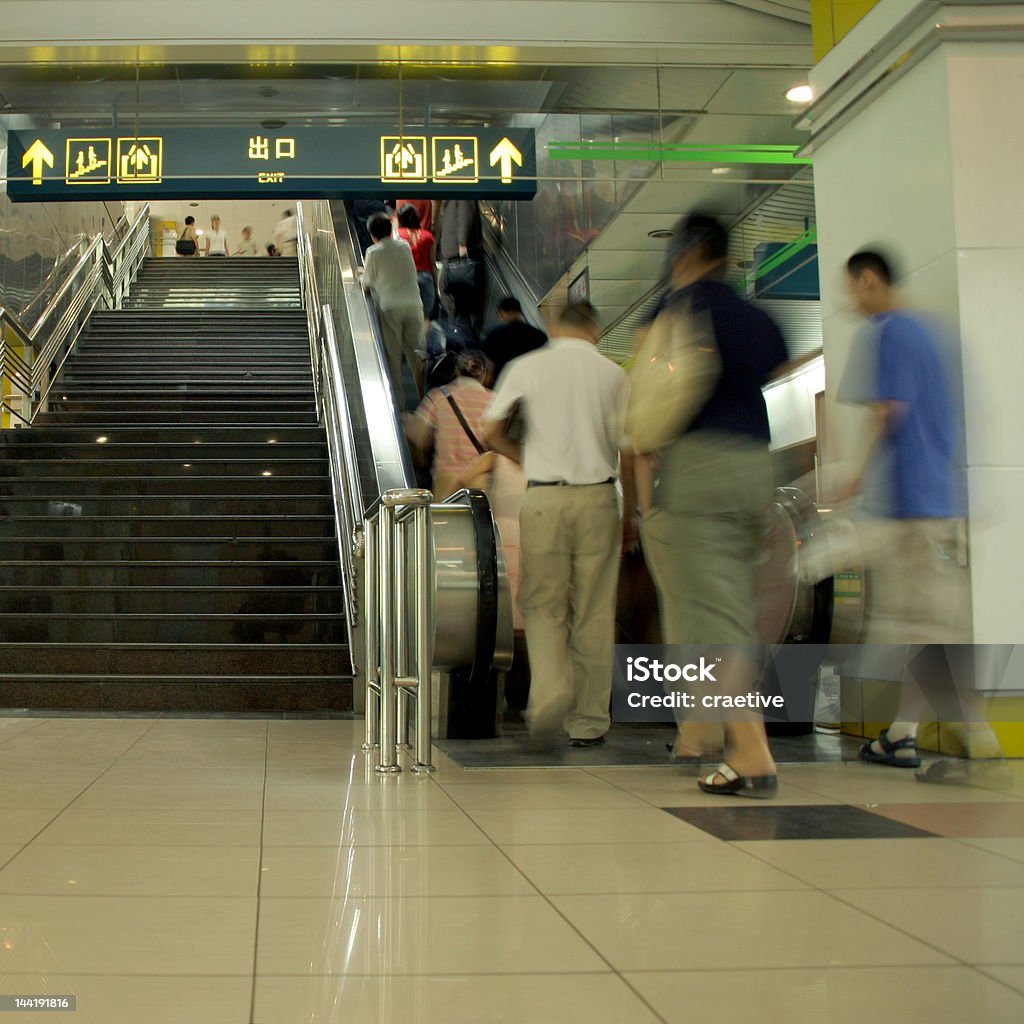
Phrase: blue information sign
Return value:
(305, 163)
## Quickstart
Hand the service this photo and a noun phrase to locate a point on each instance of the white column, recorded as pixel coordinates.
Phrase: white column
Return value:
(917, 149)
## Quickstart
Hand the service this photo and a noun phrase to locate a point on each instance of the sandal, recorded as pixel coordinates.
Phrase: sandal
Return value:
(760, 787)
(889, 751)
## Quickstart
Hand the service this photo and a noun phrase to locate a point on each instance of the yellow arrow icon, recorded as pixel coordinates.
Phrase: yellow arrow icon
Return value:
(506, 152)
(37, 155)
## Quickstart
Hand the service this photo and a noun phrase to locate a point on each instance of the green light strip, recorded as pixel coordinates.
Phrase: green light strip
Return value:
(677, 153)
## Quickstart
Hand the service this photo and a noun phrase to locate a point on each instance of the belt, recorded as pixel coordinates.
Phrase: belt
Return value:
(565, 483)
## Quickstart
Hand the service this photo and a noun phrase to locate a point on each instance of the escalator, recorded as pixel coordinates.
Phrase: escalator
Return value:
(369, 457)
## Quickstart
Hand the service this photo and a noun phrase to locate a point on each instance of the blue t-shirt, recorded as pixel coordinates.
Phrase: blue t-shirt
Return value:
(922, 438)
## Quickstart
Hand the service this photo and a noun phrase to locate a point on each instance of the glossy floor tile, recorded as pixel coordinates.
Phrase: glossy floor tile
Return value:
(153, 826)
(975, 819)
(84, 870)
(887, 863)
(444, 935)
(770, 821)
(837, 995)
(705, 931)
(612, 825)
(324, 871)
(453, 999)
(646, 868)
(250, 870)
(976, 925)
(127, 935)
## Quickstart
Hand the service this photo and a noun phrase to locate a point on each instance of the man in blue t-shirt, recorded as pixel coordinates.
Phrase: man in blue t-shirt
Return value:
(919, 594)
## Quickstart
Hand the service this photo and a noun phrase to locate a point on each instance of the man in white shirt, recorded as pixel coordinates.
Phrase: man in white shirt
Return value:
(247, 246)
(286, 234)
(572, 401)
(390, 272)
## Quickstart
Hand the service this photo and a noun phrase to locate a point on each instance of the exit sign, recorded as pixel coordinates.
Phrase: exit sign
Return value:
(306, 163)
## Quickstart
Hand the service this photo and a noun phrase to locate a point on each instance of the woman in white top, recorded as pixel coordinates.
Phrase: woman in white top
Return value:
(216, 240)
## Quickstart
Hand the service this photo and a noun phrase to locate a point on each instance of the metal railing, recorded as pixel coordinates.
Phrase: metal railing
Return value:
(399, 660)
(367, 453)
(31, 358)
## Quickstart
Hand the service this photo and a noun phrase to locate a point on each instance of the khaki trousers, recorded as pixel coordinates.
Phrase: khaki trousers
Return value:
(402, 333)
(570, 546)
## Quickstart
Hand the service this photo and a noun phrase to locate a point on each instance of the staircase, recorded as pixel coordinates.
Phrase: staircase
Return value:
(166, 527)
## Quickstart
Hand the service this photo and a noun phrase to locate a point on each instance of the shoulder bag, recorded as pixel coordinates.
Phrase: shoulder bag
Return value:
(673, 374)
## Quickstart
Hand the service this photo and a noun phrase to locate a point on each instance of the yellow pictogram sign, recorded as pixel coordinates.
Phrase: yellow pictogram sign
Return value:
(87, 162)
(455, 158)
(403, 158)
(37, 154)
(506, 153)
(140, 160)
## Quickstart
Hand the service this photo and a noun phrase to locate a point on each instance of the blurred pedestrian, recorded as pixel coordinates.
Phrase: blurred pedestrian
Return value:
(914, 527)
(706, 505)
(247, 246)
(286, 234)
(216, 238)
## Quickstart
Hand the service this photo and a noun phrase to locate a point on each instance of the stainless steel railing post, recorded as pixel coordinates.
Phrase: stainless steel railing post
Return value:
(424, 640)
(400, 533)
(370, 620)
(387, 762)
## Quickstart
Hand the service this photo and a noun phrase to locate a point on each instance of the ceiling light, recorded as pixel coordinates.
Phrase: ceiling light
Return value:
(800, 94)
(193, 204)
(719, 170)
(101, 440)
(273, 124)
(660, 233)
(267, 472)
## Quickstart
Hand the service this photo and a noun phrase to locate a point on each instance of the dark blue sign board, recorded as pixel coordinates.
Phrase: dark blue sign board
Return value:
(304, 163)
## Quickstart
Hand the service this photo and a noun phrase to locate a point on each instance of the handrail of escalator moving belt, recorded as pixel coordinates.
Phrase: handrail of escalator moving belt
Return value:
(103, 274)
(334, 415)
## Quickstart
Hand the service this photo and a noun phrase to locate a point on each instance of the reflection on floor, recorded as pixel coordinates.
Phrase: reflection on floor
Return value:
(627, 746)
(248, 871)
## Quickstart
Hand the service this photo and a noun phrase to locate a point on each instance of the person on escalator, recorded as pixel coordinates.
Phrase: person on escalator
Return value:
(512, 338)
(460, 243)
(424, 255)
(390, 273)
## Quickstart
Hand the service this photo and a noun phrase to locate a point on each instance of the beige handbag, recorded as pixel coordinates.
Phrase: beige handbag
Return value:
(673, 374)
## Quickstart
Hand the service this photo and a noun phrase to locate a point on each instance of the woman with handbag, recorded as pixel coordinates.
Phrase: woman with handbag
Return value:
(448, 423)
(188, 241)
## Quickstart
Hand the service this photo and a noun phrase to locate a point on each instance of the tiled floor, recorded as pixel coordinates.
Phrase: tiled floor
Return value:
(248, 871)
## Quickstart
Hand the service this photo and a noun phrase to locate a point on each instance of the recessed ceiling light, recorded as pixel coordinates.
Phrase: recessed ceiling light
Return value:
(273, 125)
(193, 204)
(267, 472)
(800, 94)
(660, 233)
(719, 170)
(101, 440)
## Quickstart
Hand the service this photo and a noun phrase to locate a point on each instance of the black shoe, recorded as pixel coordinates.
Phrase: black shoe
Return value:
(594, 741)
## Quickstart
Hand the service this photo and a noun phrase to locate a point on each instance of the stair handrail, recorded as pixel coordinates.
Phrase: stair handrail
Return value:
(103, 275)
(335, 416)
